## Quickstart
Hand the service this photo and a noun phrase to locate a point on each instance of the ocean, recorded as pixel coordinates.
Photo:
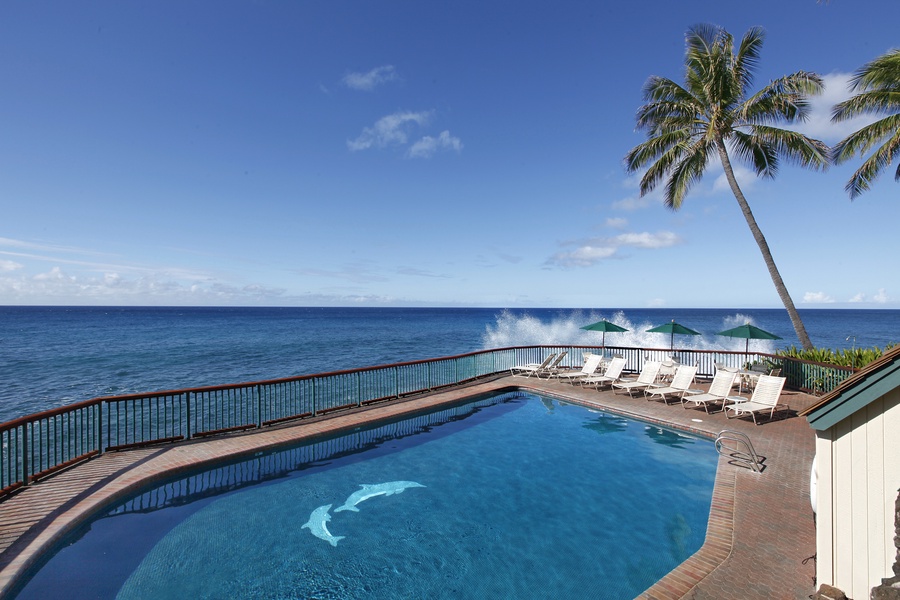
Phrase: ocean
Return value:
(52, 356)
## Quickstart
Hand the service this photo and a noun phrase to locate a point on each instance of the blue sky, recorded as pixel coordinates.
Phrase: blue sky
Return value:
(408, 153)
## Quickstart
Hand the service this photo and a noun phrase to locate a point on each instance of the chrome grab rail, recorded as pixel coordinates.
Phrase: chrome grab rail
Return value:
(742, 451)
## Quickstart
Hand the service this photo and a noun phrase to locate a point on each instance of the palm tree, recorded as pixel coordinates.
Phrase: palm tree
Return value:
(878, 84)
(711, 116)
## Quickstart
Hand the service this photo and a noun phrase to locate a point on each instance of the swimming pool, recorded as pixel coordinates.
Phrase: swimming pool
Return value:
(512, 496)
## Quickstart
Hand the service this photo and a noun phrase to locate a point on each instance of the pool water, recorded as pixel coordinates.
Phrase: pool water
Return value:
(513, 496)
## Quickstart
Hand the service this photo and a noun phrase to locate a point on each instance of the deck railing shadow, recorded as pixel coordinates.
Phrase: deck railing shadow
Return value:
(36, 446)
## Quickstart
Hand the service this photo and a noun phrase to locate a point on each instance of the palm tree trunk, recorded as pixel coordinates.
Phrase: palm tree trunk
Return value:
(764, 248)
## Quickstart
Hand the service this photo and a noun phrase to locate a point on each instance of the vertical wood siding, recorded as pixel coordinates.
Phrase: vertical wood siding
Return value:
(859, 475)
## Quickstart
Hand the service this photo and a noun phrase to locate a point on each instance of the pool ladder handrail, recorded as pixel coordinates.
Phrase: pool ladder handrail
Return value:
(743, 452)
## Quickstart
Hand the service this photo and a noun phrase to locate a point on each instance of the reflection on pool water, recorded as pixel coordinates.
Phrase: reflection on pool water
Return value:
(512, 496)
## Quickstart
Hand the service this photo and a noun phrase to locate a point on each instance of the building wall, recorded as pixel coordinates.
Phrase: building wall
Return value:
(858, 465)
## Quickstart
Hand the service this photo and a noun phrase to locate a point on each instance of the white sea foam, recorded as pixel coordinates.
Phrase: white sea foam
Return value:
(565, 329)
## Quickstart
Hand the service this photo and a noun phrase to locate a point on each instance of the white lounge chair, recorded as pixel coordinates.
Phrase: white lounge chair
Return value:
(553, 367)
(681, 382)
(610, 376)
(646, 378)
(765, 398)
(718, 391)
(590, 367)
(667, 369)
(532, 368)
(738, 380)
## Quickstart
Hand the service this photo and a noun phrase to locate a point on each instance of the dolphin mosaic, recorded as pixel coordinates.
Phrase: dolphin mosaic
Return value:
(372, 490)
(317, 525)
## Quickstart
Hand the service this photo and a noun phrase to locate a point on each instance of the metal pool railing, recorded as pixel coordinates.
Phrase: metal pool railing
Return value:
(36, 446)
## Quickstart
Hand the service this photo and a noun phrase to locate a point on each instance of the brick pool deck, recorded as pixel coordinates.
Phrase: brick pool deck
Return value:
(760, 539)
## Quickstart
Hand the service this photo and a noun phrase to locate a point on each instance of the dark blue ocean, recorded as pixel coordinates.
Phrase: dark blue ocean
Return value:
(51, 356)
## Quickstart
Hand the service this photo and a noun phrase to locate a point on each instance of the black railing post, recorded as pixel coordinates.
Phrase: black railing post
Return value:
(26, 478)
(187, 415)
(98, 426)
(259, 406)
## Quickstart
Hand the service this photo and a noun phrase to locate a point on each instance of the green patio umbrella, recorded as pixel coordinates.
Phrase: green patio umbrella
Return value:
(749, 332)
(604, 326)
(673, 328)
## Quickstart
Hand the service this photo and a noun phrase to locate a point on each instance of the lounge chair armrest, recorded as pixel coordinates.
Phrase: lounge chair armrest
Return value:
(694, 392)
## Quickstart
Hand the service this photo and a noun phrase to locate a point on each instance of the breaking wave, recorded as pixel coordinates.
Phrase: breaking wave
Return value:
(513, 329)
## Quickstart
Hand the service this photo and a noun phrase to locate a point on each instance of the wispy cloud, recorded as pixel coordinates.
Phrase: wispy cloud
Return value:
(355, 273)
(427, 146)
(414, 272)
(590, 252)
(817, 298)
(392, 130)
(370, 80)
(61, 287)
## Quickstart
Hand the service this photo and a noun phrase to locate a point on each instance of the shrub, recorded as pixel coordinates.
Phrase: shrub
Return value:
(852, 357)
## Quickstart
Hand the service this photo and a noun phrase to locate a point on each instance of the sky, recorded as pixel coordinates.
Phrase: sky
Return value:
(408, 153)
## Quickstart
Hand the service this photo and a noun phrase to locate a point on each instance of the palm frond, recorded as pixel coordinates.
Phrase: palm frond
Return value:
(747, 58)
(688, 171)
(783, 99)
(866, 138)
(751, 150)
(796, 147)
(881, 72)
(661, 168)
(871, 102)
(873, 166)
(652, 149)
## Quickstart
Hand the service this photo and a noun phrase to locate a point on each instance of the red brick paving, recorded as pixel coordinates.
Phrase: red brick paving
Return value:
(760, 528)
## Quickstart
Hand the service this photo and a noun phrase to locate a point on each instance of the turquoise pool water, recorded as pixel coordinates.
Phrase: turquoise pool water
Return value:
(512, 496)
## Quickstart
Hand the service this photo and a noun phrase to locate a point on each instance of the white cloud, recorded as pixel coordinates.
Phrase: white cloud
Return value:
(590, 252)
(663, 239)
(616, 222)
(860, 297)
(818, 125)
(656, 303)
(584, 256)
(9, 265)
(817, 298)
(59, 287)
(746, 178)
(370, 80)
(391, 130)
(881, 297)
(428, 145)
(638, 202)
